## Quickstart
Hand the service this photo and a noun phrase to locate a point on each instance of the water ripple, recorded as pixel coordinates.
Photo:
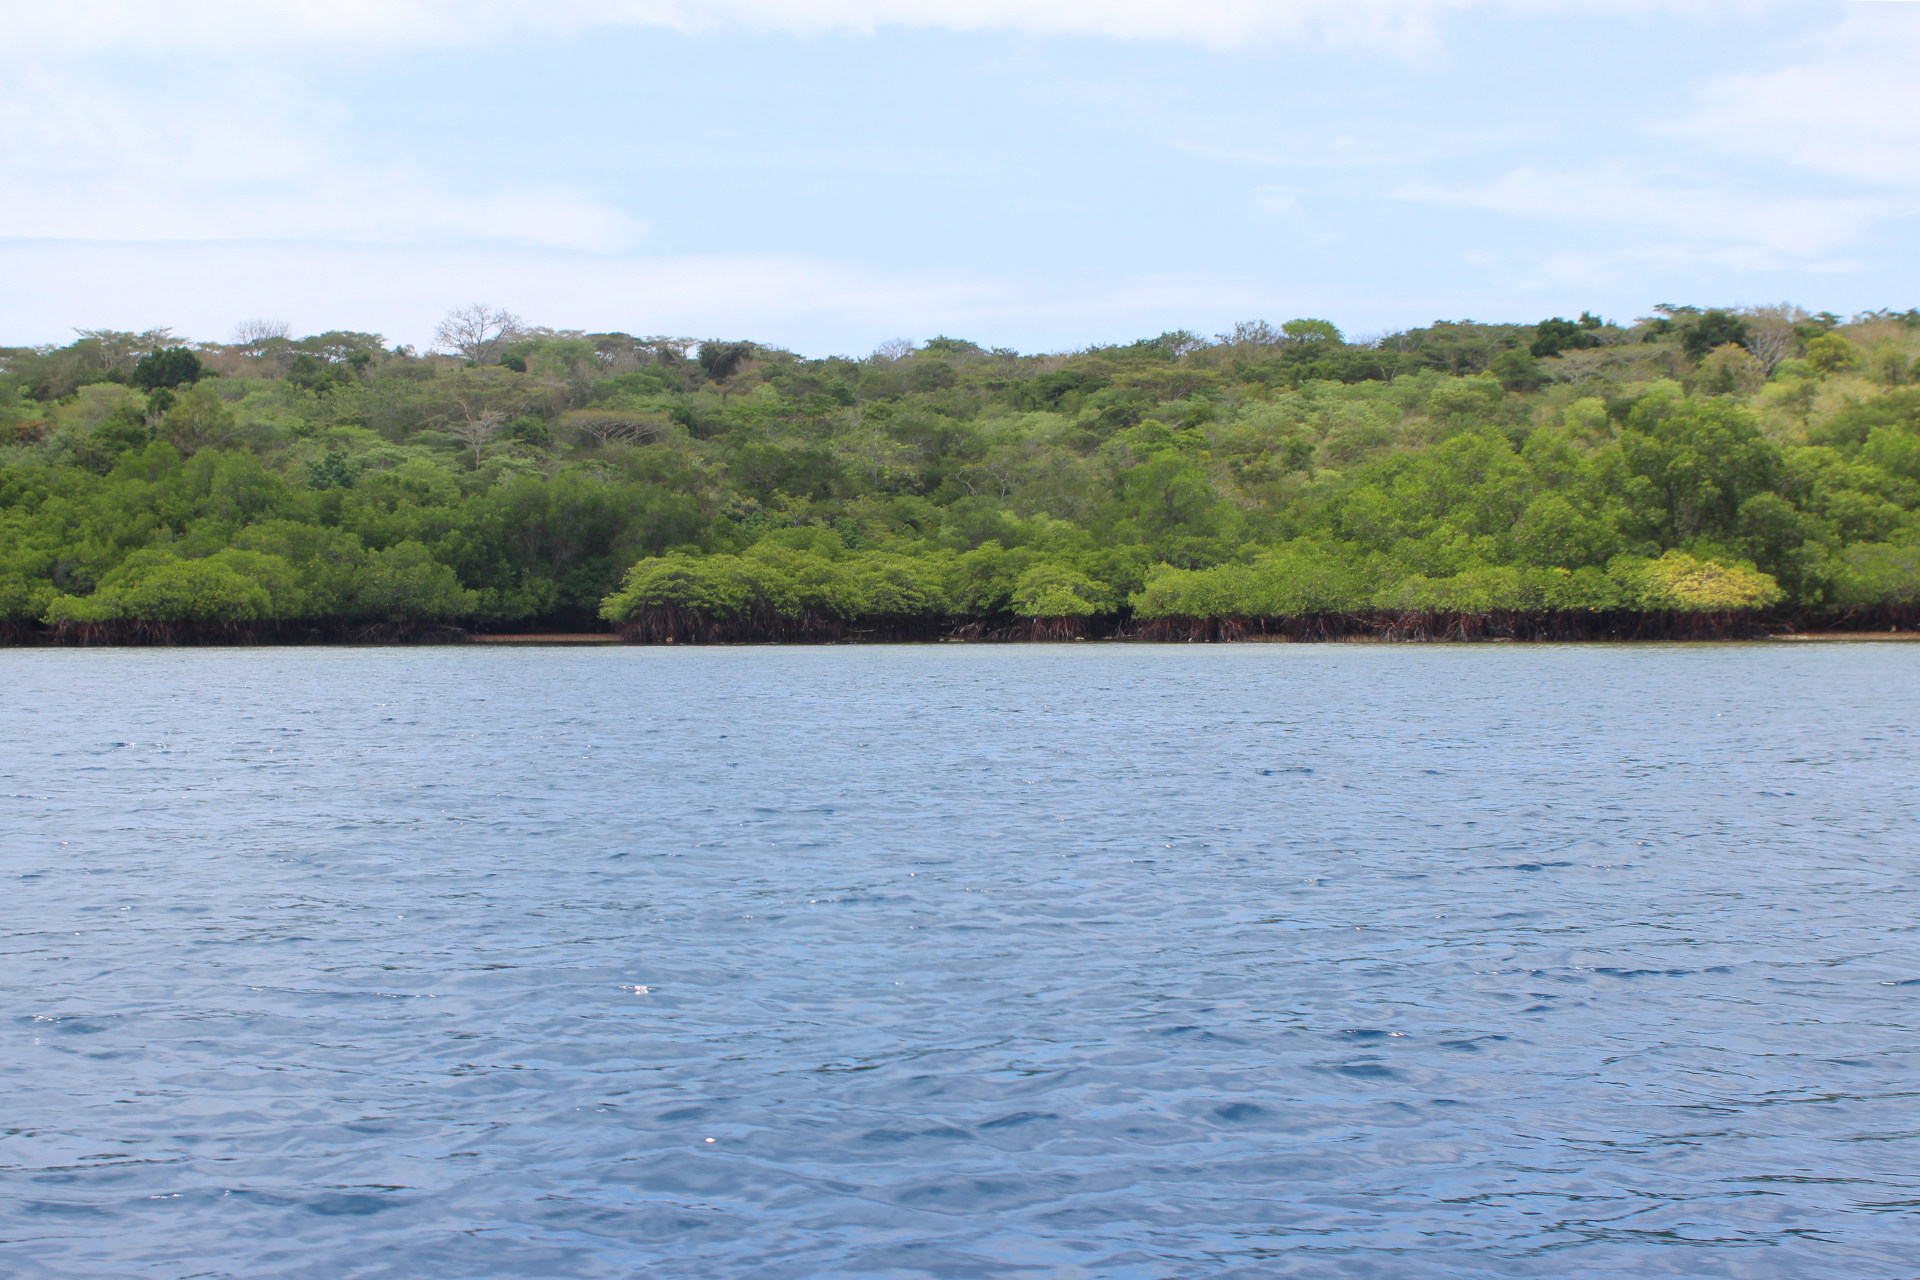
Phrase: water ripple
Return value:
(946, 961)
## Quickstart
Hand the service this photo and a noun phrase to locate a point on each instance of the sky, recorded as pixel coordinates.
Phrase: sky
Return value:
(827, 175)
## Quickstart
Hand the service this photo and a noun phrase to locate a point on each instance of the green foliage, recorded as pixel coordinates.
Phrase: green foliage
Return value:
(198, 417)
(722, 360)
(405, 584)
(1711, 329)
(1830, 354)
(156, 586)
(1298, 580)
(23, 600)
(1873, 574)
(1051, 590)
(1551, 337)
(169, 367)
(1689, 465)
(1680, 582)
(782, 583)
(711, 586)
(316, 376)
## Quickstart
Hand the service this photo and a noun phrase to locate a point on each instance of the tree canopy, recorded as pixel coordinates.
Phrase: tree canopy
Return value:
(1541, 478)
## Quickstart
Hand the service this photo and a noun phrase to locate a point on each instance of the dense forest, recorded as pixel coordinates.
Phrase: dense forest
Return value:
(1698, 472)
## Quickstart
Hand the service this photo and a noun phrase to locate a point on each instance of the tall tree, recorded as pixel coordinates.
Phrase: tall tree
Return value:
(478, 332)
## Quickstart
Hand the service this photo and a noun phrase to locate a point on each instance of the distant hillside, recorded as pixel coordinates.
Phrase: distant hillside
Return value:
(1702, 471)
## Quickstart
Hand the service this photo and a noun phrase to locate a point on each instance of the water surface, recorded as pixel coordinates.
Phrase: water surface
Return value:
(1105, 961)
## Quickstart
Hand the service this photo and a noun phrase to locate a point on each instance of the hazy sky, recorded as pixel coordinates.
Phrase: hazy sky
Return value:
(828, 174)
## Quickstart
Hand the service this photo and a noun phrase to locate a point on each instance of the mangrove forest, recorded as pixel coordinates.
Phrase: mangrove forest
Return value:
(1699, 472)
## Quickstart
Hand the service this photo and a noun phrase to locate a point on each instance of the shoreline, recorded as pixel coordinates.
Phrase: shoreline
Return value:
(564, 639)
(1846, 635)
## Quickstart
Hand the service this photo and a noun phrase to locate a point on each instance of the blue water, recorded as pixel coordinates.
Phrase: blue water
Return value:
(961, 961)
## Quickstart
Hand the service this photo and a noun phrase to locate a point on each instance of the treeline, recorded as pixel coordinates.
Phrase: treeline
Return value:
(1698, 472)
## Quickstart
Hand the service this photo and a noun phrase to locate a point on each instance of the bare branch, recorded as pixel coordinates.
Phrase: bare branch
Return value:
(477, 331)
(251, 333)
(613, 426)
(1772, 333)
(477, 430)
(115, 349)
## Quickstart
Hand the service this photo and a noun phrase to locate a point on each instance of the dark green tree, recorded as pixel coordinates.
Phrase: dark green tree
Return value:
(1714, 328)
(169, 367)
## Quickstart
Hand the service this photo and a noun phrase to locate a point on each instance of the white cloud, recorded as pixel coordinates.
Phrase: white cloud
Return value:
(237, 158)
(246, 156)
(1850, 110)
(259, 159)
(816, 305)
(1633, 266)
(1838, 127)
(1388, 25)
(1275, 202)
(1736, 227)
(241, 155)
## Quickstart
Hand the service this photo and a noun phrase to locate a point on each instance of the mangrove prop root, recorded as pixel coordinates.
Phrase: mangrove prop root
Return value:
(680, 626)
(674, 626)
